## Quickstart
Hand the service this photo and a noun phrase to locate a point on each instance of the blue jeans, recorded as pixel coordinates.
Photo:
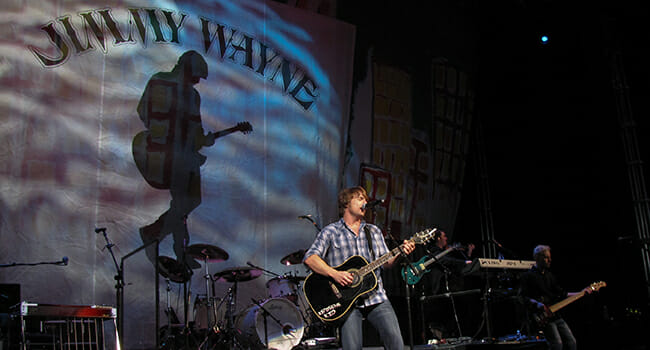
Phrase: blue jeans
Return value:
(382, 317)
(557, 333)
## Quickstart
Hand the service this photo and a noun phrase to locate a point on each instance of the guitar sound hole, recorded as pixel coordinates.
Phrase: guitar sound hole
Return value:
(356, 279)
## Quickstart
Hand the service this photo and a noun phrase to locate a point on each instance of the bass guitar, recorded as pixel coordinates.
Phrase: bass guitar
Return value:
(330, 301)
(540, 319)
(412, 273)
(154, 159)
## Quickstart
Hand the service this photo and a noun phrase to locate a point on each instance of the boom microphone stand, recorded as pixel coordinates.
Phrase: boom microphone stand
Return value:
(119, 279)
(308, 218)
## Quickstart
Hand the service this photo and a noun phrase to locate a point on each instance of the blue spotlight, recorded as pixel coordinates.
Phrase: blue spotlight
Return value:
(544, 39)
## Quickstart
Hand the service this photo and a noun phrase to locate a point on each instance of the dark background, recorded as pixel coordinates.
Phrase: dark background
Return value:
(556, 166)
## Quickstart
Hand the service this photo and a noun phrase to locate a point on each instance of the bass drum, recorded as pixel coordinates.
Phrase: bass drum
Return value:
(282, 336)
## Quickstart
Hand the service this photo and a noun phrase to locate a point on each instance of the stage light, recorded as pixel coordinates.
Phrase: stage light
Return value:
(544, 39)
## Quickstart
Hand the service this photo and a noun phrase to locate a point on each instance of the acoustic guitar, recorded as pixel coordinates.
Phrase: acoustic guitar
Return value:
(330, 301)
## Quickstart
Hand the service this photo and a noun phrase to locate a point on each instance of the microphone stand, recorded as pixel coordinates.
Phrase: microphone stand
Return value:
(119, 279)
(266, 332)
(448, 293)
(263, 269)
(308, 217)
(453, 302)
(407, 288)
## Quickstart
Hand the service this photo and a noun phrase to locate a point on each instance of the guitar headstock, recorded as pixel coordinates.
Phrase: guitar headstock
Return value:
(597, 285)
(244, 127)
(424, 236)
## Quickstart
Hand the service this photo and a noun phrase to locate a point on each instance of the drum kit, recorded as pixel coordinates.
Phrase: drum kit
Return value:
(282, 321)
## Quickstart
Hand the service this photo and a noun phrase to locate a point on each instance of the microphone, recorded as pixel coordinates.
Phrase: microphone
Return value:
(372, 204)
(100, 229)
(64, 261)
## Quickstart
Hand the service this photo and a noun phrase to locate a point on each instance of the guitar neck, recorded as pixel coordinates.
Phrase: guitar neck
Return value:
(379, 262)
(225, 132)
(557, 306)
(437, 257)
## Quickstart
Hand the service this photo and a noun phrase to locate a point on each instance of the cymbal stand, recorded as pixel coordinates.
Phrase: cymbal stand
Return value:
(230, 315)
(212, 311)
(168, 310)
(171, 319)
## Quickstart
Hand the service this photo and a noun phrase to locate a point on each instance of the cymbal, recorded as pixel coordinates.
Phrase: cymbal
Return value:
(293, 258)
(237, 274)
(173, 270)
(206, 252)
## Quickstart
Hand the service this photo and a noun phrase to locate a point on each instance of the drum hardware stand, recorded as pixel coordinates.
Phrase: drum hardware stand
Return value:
(231, 298)
(171, 318)
(212, 309)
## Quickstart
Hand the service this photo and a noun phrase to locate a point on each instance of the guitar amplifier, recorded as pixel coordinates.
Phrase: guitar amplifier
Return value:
(48, 326)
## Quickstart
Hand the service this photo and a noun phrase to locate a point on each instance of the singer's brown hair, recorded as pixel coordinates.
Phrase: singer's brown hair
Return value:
(346, 195)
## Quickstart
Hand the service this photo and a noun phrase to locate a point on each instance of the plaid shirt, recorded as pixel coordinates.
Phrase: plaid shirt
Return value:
(336, 243)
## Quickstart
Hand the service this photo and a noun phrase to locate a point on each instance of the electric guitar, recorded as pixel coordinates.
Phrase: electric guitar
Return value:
(540, 319)
(154, 159)
(330, 301)
(412, 274)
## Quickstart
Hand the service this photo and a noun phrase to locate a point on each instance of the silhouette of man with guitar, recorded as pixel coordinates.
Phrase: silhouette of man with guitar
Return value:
(167, 153)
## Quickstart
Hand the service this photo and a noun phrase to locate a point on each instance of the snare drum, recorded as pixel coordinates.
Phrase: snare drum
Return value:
(284, 336)
(283, 287)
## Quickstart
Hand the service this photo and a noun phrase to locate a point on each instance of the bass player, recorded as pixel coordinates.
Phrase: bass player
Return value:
(540, 287)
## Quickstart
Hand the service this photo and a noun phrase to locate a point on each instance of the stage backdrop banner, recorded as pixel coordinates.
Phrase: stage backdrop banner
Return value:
(106, 112)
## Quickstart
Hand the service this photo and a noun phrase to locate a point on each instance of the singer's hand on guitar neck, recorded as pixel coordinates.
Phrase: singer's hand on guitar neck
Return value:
(407, 247)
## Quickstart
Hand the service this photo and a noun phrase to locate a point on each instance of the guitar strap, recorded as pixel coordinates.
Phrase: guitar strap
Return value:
(366, 228)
